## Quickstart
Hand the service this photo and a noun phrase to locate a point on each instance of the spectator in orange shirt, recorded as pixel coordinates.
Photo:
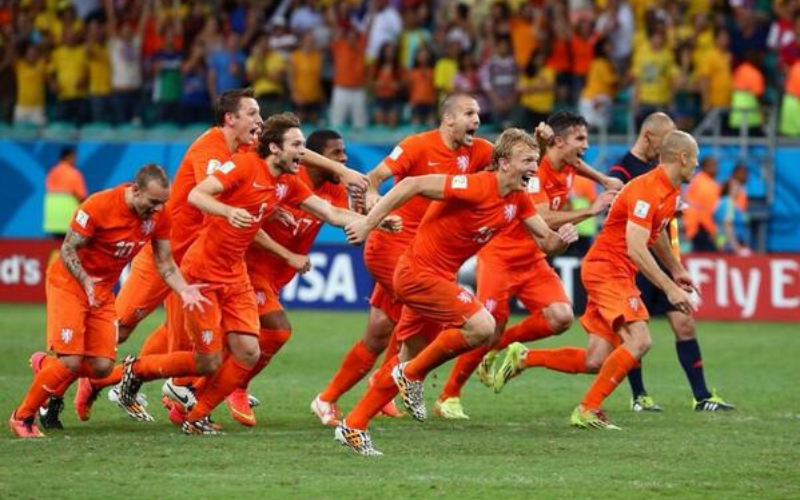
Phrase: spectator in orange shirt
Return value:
(702, 197)
(305, 79)
(386, 78)
(349, 97)
(65, 189)
(581, 47)
(421, 91)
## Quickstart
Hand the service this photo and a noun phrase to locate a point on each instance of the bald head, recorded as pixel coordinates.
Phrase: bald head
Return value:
(451, 104)
(676, 143)
(657, 123)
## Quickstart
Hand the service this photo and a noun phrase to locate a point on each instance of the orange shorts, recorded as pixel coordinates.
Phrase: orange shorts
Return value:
(384, 301)
(611, 300)
(437, 300)
(233, 308)
(381, 257)
(268, 296)
(142, 292)
(536, 285)
(178, 338)
(75, 328)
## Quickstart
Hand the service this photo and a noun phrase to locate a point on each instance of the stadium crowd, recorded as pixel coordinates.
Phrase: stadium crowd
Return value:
(387, 62)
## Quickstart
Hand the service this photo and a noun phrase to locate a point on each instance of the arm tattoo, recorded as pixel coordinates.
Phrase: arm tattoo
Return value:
(167, 272)
(69, 254)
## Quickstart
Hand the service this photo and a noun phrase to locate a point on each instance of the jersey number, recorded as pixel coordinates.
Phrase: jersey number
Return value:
(124, 249)
(555, 203)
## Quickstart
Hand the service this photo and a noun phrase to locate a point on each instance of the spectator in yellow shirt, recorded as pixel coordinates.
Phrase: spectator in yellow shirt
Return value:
(598, 93)
(654, 72)
(70, 78)
(444, 72)
(266, 71)
(99, 73)
(714, 74)
(31, 81)
(536, 87)
(305, 76)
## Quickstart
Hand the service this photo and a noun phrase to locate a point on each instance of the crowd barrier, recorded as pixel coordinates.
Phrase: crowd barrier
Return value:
(756, 288)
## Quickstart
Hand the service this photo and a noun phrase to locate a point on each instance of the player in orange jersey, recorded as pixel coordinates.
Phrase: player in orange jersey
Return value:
(615, 317)
(511, 265)
(270, 271)
(440, 320)
(450, 149)
(106, 232)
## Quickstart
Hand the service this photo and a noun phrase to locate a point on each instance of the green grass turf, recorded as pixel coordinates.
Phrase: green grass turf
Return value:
(517, 445)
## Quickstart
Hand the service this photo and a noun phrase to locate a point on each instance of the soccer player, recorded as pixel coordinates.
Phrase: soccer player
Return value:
(512, 265)
(615, 317)
(440, 319)
(107, 231)
(270, 271)
(642, 158)
(450, 149)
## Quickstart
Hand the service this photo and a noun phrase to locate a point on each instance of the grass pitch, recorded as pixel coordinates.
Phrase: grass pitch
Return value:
(517, 444)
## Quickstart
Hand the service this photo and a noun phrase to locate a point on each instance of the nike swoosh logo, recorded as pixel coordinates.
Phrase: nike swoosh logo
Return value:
(182, 399)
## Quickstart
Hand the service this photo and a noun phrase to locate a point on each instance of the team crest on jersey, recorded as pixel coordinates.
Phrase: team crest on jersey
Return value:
(464, 296)
(148, 226)
(82, 218)
(207, 336)
(66, 335)
(490, 305)
(463, 163)
(509, 211)
(281, 190)
(633, 303)
(261, 297)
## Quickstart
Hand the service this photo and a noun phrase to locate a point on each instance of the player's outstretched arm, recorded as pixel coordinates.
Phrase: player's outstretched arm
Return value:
(202, 197)
(636, 238)
(551, 242)
(430, 186)
(301, 263)
(557, 218)
(353, 179)
(341, 217)
(376, 177)
(69, 254)
(165, 263)
(585, 170)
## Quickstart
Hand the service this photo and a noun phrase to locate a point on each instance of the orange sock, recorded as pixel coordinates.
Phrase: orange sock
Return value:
(534, 327)
(464, 366)
(357, 363)
(614, 370)
(447, 345)
(174, 364)
(377, 396)
(564, 359)
(270, 342)
(44, 385)
(392, 349)
(157, 342)
(219, 385)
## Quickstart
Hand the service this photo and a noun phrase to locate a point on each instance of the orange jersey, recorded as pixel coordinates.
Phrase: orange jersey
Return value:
(515, 245)
(470, 214)
(115, 233)
(267, 266)
(423, 154)
(206, 154)
(649, 201)
(217, 255)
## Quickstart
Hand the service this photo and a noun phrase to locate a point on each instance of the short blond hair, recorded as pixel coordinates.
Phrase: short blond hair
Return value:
(505, 144)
